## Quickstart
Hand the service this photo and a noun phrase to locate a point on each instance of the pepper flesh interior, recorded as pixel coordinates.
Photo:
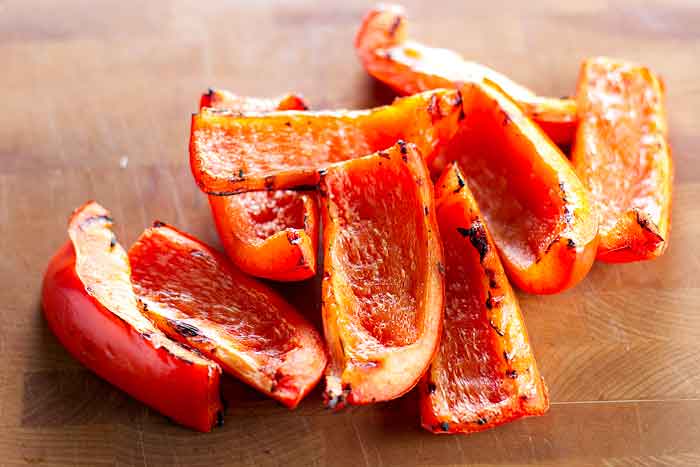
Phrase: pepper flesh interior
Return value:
(382, 283)
(90, 305)
(231, 153)
(197, 297)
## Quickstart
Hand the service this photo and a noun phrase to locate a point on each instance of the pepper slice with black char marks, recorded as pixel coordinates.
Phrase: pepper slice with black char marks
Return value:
(382, 284)
(281, 150)
(537, 209)
(484, 373)
(197, 297)
(410, 67)
(90, 305)
(268, 234)
(623, 156)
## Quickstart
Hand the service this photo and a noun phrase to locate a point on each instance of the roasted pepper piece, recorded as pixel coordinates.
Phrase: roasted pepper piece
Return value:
(383, 275)
(272, 234)
(269, 234)
(197, 297)
(231, 153)
(536, 207)
(90, 306)
(623, 156)
(484, 373)
(410, 67)
(226, 100)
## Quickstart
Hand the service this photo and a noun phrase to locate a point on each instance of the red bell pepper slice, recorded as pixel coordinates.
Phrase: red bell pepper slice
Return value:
(383, 282)
(90, 306)
(197, 297)
(484, 373)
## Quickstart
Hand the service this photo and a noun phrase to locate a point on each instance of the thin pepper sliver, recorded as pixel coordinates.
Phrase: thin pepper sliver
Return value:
(484, 373)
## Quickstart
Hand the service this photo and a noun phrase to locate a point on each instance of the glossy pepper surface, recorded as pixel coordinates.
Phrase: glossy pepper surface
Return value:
(232, 153)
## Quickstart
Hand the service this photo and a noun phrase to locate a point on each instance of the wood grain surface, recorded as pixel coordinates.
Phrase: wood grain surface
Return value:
(96, 99)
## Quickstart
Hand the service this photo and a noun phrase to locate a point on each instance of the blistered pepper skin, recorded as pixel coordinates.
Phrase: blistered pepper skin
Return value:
(232, 153)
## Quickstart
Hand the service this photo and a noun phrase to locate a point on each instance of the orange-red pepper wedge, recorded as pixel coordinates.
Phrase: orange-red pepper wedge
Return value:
(484, 373)
(272, 234)
(269, 234)
(410, 67)
(90, 306)
(232, 153)
(623, 156)
(536, 207)
(226, 100)
(197, 297)
(383, 275)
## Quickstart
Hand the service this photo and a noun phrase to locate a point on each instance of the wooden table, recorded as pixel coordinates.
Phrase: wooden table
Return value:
(96, 99)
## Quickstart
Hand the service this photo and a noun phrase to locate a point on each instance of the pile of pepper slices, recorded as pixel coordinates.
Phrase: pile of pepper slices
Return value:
(431, 207)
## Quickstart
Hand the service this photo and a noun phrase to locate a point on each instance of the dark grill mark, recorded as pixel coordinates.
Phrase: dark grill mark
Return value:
(184, 329)
(477, 237)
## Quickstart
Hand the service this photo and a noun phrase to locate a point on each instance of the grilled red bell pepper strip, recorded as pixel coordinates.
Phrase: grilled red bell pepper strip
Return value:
(90, 306)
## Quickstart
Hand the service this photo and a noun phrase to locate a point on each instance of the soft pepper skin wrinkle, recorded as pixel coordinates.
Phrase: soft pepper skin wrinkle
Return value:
(623, 156)
(410, 67)
(90, 306)
(383, 282)
(268, 234)
(233, 153)
(484, 373)
(537, 209)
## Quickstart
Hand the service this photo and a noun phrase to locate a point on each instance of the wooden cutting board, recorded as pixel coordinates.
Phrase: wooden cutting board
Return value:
(96, 103)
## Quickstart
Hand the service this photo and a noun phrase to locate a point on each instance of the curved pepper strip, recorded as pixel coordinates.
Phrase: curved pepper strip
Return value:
(90, 306)
(484, 373)
(410, 67)
(623, 156)
(232, 153)
(197, 297)
(536, 207)
(383, 282)
(272, 234)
